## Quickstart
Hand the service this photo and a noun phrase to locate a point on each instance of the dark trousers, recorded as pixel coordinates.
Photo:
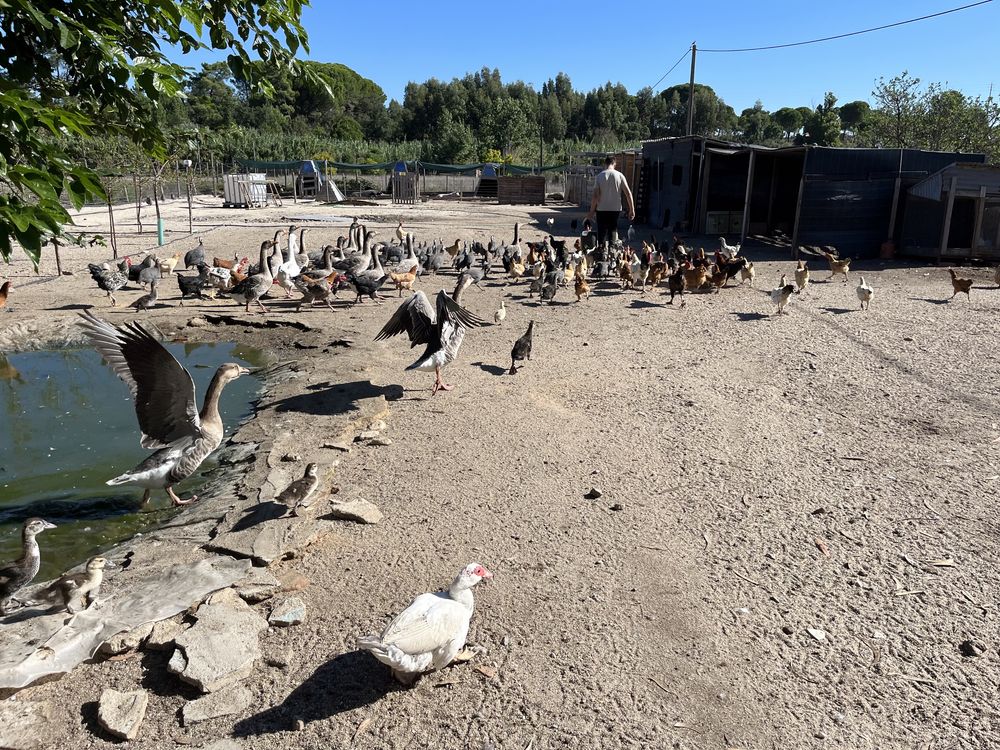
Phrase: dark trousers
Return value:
(607, 226)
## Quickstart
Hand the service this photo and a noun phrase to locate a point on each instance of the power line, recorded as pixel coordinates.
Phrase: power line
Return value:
(681, 58)
(852, 33)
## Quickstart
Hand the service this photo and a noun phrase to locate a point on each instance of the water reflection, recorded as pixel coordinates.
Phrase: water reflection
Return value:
(67, 425)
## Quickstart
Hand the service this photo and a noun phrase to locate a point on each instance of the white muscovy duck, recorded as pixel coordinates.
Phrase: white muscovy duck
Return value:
(442, 329)
(431, 632)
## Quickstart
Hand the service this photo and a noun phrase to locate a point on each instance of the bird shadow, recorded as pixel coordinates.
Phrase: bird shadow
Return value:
(76, 306)
(838, 310)
(749, 317)
(260, 513)
(345, 683)
(491, 369)
(606, 292)
(931, 301)
(641, 303)
(341, 398)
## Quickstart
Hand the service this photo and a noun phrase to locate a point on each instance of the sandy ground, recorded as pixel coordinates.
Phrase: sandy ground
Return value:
(796, 542)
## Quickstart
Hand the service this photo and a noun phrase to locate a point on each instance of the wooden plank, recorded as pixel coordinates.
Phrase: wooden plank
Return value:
(942, 246)
(747, 197)
(980, 209)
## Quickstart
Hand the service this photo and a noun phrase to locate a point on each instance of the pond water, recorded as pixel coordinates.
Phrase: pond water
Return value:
(67, 425)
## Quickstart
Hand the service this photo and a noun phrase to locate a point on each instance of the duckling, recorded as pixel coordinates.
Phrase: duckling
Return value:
(865, 293)
(146, 301)
(297, 494)
(21, 572)
(499, 315)
(802, 275)
(77, 590)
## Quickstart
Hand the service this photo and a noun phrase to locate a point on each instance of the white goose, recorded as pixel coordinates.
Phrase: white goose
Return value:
(442, 329)
(431, 632)
(289, 267)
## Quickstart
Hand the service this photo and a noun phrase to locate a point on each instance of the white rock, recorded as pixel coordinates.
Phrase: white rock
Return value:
(292, 611)
(359, 511)
(232, 700)
(121, 714)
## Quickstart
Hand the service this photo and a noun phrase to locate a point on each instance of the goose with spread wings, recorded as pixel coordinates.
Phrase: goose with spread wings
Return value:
(441, 328)
(165, 404)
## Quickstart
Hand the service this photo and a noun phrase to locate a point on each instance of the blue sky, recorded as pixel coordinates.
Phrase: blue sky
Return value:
(395, 42)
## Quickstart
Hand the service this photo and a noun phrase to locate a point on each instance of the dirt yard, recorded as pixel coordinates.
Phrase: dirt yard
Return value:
(795, 545)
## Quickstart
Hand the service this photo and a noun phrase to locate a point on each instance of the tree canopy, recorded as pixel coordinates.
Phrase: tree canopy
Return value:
(91, 68)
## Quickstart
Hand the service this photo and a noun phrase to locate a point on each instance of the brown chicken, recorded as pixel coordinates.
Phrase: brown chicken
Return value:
(223, 263)
(4, 293)
(452, 250)
(718, 277)
(657, 273)
(694, 277)
(403, 281)
(837, 265)
(960, 285)
(581, 287)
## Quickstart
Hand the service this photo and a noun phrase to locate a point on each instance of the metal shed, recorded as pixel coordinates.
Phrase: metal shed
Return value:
(850, 198)
(954, 213)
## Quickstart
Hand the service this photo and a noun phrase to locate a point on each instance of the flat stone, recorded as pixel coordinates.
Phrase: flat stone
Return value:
(198, 322)
(128, 641)
(266, 542)
(365, 435)
(222, 745)
(19, 722)
(232, 700)
(593, 494)
(163, 635)
(359, 511)
(378, 425)
(220, 648)
(291, 611)
(291, 458)
(258, 587)
(380, 441)
(121, 714)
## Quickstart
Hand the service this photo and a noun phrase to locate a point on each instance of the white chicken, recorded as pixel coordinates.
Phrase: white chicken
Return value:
(431, 632)
(499, 315)
(780, 294)
(865, 293)
(731, 250)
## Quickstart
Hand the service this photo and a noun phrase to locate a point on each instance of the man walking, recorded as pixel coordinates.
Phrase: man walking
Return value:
(606, 202)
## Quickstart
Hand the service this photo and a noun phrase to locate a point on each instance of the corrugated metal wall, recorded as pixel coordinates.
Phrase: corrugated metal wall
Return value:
(847, 195)
(667, 202)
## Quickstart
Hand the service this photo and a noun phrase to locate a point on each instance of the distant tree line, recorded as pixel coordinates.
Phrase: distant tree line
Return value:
(479, 117)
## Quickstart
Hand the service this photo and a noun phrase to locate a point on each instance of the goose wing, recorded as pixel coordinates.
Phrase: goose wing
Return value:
(416, 318)
(162, 389)
(449, 309)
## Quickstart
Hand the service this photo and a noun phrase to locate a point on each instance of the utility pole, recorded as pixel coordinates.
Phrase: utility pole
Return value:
(540, 147)
(690, 127)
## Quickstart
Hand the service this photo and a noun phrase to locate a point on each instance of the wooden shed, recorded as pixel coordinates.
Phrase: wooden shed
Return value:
(954, 214)
(521, 190)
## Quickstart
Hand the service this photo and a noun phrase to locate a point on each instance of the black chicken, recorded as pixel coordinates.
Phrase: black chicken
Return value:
(522, 349)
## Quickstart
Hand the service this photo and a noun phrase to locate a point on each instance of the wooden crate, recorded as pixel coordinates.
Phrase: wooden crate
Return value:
(521, 190)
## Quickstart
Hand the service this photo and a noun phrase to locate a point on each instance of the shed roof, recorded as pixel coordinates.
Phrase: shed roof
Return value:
(970, 178)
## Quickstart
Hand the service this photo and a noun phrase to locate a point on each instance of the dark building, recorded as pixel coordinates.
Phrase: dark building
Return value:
(852, 198)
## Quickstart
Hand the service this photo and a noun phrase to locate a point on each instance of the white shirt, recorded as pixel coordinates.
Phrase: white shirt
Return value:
(610, 183)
